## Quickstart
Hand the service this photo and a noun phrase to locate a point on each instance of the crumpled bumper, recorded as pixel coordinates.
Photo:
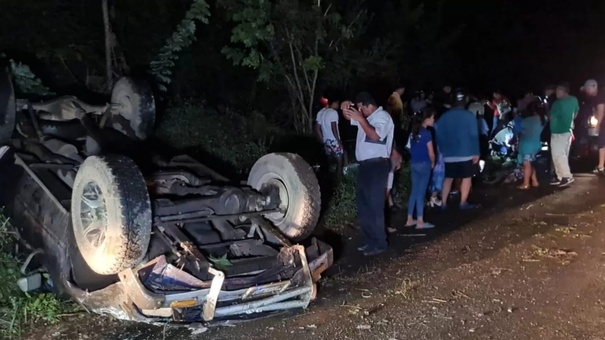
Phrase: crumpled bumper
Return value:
(158, 292)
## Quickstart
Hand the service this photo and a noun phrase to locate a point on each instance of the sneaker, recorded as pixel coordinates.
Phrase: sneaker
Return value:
(566, 181)
(374, 252)
(555, 182)
(599, 171)
(426, 225)
(363, 248)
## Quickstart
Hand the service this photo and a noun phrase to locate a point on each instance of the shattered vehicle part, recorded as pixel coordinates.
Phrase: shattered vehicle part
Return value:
(152, 238)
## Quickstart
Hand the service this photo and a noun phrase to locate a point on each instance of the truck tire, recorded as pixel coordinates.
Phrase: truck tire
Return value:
(8, 108)
(111, 213)
(134, 108)
(298, 190)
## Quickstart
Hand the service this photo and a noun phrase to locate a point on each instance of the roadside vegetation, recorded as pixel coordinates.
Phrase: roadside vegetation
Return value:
(19, 311)
(232, 143)
(264, 65)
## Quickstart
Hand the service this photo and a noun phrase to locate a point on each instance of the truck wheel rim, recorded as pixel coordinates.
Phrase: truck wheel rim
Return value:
(271, 180)
(93, 214)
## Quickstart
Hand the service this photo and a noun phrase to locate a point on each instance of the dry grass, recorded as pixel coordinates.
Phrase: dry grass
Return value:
(538, 253)
(406, 288)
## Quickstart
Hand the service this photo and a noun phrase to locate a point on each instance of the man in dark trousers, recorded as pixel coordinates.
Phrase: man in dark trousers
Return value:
(372, 150)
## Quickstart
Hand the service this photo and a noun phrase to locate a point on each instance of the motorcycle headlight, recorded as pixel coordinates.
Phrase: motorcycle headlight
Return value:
(593, 121)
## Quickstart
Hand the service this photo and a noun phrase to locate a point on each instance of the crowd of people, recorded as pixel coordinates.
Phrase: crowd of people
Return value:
(446, 139)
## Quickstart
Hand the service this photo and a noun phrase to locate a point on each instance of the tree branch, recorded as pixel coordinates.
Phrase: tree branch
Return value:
(298, 85)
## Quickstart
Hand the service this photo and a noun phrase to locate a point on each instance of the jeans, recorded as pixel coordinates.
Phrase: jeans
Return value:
(421, 174)
(371, 187)
(559, 144)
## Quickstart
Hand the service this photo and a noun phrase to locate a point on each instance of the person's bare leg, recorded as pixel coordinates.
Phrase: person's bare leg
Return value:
(601, 158)
(390, 202)
(527, 175)
(465, 190)
(534, 177)
(445, 191)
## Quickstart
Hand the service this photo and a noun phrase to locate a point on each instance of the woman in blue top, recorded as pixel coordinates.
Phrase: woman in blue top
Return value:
(530, 142)
(422, 162)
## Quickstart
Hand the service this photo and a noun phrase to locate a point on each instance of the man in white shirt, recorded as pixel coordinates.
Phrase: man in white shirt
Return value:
(326, 130)
(373, 151)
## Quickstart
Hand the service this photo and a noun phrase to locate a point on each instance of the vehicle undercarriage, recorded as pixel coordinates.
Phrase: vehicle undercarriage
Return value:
(128, 231)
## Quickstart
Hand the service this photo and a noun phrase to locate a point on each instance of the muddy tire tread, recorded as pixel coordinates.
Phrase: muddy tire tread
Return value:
(132, 235)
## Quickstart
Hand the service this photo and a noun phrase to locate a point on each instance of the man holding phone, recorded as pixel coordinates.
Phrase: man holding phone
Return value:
(372, 151)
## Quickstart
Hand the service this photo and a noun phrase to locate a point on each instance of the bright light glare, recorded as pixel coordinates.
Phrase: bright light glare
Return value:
(593, 121)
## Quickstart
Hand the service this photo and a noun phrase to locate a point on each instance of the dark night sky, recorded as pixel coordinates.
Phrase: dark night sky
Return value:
(516, 45)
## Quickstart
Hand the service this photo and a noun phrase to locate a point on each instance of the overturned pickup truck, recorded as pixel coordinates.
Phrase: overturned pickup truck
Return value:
(148, 237)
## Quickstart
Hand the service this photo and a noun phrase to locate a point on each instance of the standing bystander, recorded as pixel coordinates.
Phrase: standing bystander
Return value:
(421, 163)
(597, 101)
(396, 108)
(372, 150)
(530, 144)
(501, 106)
(562, 114)
(326, 130)
(548, 100)
(458, 141)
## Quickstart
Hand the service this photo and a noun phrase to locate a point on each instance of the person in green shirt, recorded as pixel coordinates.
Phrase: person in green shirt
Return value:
(561, 116)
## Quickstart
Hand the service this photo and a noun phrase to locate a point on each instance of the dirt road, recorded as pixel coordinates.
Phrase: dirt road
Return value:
(529, 265)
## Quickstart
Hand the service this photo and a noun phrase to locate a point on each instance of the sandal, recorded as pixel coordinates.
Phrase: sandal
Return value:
(413, 224)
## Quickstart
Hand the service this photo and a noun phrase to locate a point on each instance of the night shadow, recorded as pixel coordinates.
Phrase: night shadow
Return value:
(311, 151)
(198, 153)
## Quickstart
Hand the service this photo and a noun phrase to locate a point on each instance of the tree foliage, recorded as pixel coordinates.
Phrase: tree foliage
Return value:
(289, 42)
(26, 81)
(181, 38)
(305, 45)
(280, 54)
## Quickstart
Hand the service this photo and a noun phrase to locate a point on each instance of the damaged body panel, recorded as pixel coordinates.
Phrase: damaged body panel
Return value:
(143, 236)
(271, 275)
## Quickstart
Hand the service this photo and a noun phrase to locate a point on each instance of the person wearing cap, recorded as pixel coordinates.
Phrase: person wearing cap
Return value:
(326, 130)
(562, 115)
(597, 102)
(458, 141)
(372, 151)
